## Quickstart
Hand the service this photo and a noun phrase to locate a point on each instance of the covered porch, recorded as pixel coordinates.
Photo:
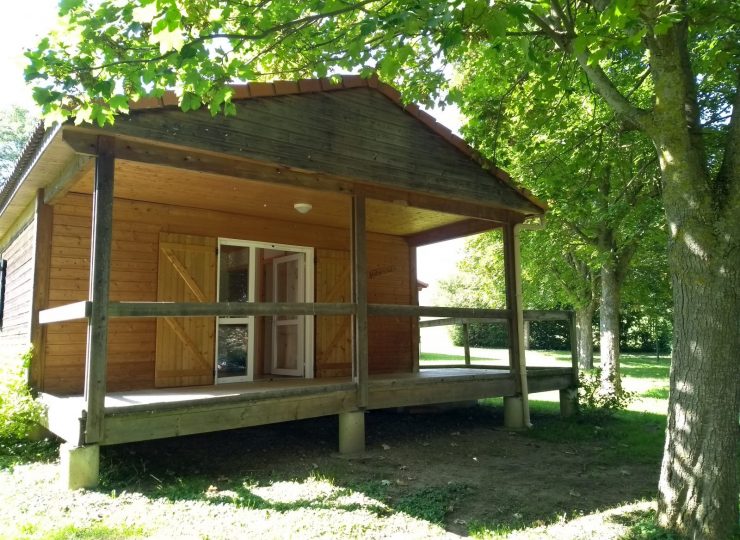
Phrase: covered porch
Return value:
(148, 190)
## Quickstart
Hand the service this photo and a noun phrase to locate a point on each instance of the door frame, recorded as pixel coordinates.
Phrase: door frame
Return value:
(308, 325)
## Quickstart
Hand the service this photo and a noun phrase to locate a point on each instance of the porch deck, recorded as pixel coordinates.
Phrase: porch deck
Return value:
(168, 412)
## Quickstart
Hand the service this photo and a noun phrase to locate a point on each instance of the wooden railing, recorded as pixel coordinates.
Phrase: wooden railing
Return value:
(445, 316)
(81, 310)
(529, 315)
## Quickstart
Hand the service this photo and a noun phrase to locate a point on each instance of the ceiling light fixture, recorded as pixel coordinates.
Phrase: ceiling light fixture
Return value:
(302, 207)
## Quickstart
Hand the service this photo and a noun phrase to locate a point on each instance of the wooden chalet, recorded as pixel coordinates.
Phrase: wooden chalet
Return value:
(178, 273)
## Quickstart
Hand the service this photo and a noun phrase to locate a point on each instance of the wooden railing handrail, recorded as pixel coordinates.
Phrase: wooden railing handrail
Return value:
(447, 315)
(529, 315)
(393, 310)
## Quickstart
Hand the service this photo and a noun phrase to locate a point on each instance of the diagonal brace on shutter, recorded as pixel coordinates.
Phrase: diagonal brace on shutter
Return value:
(189, 343)
(185, 275)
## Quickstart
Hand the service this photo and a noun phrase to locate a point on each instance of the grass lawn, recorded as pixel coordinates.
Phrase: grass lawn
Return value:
(426, 474)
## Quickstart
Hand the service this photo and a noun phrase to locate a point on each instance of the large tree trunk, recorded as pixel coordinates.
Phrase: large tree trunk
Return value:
(611, 383)
(698, 484)
(585, 336)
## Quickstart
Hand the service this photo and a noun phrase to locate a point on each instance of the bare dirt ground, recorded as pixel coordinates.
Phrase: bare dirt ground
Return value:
(460, 466)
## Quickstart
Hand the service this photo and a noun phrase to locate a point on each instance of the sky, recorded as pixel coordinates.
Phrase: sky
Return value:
(25, 22)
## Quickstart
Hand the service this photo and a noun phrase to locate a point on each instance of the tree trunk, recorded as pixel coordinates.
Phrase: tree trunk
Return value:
(611, 383)
(698, 482)
(585, 336)
(526, 335)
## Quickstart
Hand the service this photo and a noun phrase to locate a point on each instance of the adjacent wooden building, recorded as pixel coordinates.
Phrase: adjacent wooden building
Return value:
(179, 273)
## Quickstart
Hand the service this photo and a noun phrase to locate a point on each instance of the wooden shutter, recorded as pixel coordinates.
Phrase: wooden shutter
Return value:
(333, 334)
(185, 345)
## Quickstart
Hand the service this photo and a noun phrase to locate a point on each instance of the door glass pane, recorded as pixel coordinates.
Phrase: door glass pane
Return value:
(287, 346)
(234, 274)
(232, 350)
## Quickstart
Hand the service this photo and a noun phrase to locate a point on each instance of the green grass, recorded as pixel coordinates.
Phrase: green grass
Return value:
(96, 531)
(431, 504)
(14, 452)
(436, 357)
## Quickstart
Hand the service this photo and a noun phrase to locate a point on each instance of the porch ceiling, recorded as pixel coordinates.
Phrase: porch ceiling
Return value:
(181, 187)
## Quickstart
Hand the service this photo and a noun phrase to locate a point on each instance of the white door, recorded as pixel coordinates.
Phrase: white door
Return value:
(288, 331)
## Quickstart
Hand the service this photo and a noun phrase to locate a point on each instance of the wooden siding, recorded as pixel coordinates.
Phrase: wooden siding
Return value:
(136, 230)
(15, 335)
(356, 133)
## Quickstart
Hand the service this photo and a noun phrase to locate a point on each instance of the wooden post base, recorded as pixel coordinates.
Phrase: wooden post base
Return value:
(352, 432)
(513, 412)
(80, 465)
(568, 402)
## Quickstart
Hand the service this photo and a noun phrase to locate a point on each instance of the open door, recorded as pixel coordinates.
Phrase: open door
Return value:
(288, 331)
(185, 345)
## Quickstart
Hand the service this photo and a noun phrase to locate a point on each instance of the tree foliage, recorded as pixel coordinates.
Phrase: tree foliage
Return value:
(16, 126)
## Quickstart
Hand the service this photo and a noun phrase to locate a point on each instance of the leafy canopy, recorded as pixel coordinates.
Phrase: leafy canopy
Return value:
(105, 52)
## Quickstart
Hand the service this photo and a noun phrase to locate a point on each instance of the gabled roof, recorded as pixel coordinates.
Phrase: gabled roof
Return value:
(346, 82)
(46, 143)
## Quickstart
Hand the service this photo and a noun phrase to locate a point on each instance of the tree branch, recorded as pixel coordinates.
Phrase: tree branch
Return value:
(603, 85)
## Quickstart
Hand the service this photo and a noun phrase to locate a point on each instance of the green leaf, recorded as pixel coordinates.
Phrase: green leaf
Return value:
(65, 6)
(496, 24)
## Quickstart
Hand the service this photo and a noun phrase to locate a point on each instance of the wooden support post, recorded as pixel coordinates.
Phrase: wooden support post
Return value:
(96, 359)
(466, 343)
(573, 346)
(352, 432)
(513, 276)
(40, 301)
(359, 294)
(414, 321)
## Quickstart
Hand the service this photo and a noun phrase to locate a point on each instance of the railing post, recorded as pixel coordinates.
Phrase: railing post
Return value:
(466, 343)
(359, 294)
(573, 345)
(415, 332)
(96, 358)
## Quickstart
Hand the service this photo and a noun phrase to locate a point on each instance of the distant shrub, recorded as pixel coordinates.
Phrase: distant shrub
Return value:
(592, 400)
(19, 411)
(543, 335)
(486, 335)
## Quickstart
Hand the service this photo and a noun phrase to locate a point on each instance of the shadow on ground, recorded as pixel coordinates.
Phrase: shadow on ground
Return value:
(457, 468)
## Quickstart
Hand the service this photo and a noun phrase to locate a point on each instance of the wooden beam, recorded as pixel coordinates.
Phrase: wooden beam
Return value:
(223, 309)
(359, 296)
(392, 310)
(546, 315)
(168, 155)
(40, 298)
(77, 167)
(96, 359)
(449, 321)
(414, 286)
(68, 312)
(156, 422)
(458, 229)
(513, 278)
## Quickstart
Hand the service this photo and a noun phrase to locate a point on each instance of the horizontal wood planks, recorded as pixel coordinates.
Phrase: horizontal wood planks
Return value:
(16, 327)
(357, 133)
(231, 414)
(136, 232)
(182, 187)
